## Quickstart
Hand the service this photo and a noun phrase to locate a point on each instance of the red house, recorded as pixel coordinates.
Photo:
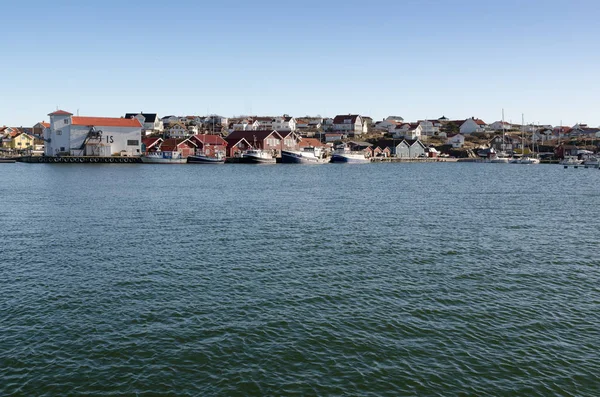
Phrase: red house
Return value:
(183, 145)
(269, 140)
(209, 145)
(235, 147)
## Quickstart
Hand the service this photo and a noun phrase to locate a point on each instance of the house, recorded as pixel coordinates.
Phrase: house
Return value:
(186, 146)
(178, 130)
(284, 123)
(457, 141)
(352, 124)
(408, 131)
(210, 145)
(333, 137)
(290, 140)
(416, 148)
(92, 136)
(396, 119)
(168, 120)
(384, 148)
(504, 143)
(239, 124)
(151, 124)
(472, 125)
(262, 123)
(19, 141)
(500, 126)
(430, 127)
(269, 140)
(235, 146)
(403, 149)
(151, 144)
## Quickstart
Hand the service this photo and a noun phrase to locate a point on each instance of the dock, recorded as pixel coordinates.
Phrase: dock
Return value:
(79, 159)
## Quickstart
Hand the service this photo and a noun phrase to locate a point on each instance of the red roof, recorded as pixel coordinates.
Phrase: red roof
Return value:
(106, 122)
(480, 122)
(172, 144)
(151, 141)
(250, 135)
(60, 113)
(210, 139)
(312, 142)
(47, 125)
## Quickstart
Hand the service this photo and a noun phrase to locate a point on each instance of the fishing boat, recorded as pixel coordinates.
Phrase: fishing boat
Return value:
(204, 159)
(349, 154)
(168, 157)
(310, 155)
(258, 156)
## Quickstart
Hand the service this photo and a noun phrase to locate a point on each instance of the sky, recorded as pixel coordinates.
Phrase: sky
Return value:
(414, 59)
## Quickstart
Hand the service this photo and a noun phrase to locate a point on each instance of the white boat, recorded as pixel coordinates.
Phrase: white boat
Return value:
(345, 155)
(204, 159)
(310, 155)
(498, 158)
(529, 160)
(258, 156)
(164, 158)
(570, 160)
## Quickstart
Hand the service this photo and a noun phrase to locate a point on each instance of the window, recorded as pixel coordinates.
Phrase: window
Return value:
(133, 142)
(59, 132)
(66, 121)
(62, 148)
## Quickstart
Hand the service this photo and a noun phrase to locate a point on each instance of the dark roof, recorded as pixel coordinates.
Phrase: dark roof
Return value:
(250, 135)
(413, 141)
(383, 143)
(150, 117)
(209, 139)
(339, 119)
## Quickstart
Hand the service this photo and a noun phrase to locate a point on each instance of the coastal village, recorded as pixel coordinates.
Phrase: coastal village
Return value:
(133, 136)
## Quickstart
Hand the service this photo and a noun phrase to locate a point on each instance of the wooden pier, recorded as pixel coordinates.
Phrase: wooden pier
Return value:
(79, 160)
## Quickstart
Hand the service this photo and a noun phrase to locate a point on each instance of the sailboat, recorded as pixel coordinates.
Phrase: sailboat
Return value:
(501, 157)
(524, 159)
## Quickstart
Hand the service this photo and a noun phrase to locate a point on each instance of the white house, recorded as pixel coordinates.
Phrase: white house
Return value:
(151, 124)
(457, 141)
(408, 131)
(178, 130)
(262, 123)
(284, 123)
(92, 136)
(430, 127)
(472, 125)
(350, 123)
(499, 126)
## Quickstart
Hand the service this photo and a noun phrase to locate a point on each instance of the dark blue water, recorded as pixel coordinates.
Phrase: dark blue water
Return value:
(378, 279)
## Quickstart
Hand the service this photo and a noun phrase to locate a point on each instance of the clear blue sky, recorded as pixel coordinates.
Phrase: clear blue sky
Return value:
(415, 59)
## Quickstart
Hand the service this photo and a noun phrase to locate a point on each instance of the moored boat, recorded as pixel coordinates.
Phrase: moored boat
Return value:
(258, 156)
(7, 160)
(203, 159)
(164, 158)
(570, 160)
(310, 155)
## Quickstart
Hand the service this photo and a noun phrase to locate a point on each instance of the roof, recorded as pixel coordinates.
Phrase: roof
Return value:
(210, 139)
(47, 125)
(172, 144)
(385, 143)
(151, 141)
(250, 135)
(312, 142)
(235, 141)
(60, 113)
(479, 122)
(106, 122)
(339, 119)
(149, 117)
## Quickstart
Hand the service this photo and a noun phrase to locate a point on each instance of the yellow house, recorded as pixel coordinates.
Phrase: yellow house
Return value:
(20, 142)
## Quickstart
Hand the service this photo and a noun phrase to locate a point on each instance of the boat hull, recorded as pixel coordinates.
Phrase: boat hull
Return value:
(351, 159)
(205, 160)
(298, 158)
(148, 160)
(258, 160)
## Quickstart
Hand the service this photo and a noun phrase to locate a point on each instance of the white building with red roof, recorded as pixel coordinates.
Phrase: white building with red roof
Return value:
(92, 136)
